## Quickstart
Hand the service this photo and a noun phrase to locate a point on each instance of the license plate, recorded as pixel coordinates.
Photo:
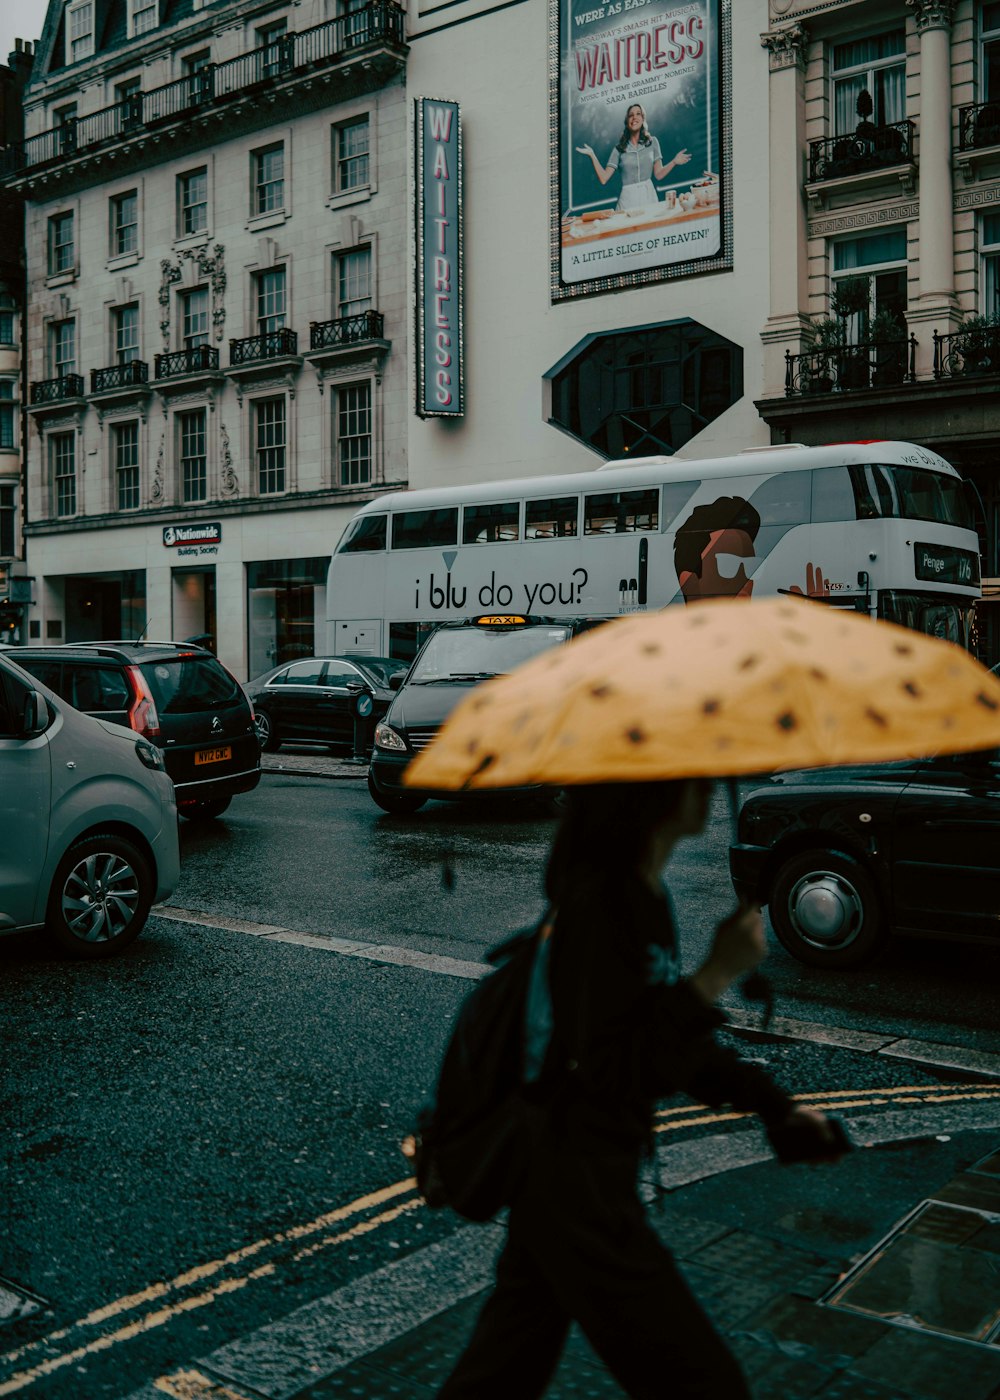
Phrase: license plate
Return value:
(212, 755)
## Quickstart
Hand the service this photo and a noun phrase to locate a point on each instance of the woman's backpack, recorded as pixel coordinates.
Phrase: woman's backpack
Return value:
(473, 1142)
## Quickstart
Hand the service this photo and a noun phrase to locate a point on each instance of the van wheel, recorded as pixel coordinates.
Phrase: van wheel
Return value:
(267, 732)
(205, 811)
(826, 910)
(398, 805)
(100, 897)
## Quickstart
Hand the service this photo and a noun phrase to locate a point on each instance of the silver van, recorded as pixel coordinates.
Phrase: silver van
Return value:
(88, 822)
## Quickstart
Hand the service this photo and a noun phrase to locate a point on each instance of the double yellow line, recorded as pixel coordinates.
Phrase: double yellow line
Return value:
(160, 1303)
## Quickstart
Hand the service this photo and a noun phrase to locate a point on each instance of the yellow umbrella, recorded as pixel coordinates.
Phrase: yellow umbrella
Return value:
(721, 688)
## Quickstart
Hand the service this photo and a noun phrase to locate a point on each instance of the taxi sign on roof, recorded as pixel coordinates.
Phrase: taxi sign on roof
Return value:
(501, 620)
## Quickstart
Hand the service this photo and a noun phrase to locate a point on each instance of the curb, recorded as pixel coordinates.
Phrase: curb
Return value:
(341, 771)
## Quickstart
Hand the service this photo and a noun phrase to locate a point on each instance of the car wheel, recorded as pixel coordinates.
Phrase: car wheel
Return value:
(398, 804)
(826, 910)
(205, 811)
(267, 731)
(100, 897)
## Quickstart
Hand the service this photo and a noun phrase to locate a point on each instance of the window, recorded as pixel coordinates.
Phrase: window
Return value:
(621, 512)
(128, 99)
(350, 160)
(142, 17)
(269, 38)
(876, 66)
(8, 327)
(79, 31)
(354, 434)
(423, 529)
(989, 63)
(62, 449)
(269, 435)
(8, 520)
(194, 462)
(64, 124)
(364, 534)
(125, 445)
(62, 247)
(7, 434)
(125, 328)
(63, 342)
(124, 224)
(490, 524)
(989, 245)
(196, 67)
(355, 22)
(354, 281)
(270, 296)
(192, 201)
(194, 62)
(551, 519)
(881, 258)
(268, 179)
(194, 318)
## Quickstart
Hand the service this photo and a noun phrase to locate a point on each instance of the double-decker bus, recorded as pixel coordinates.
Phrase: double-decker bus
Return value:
(887, 528)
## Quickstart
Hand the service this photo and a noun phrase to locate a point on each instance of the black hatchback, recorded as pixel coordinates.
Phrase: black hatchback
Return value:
(843, 857)
(179, 697)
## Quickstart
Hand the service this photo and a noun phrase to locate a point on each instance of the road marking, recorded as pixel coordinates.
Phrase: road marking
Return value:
(830, 1099)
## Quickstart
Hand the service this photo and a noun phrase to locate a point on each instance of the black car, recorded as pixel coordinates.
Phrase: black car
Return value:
(844, 857)
(326, 700)
(178, 696)
(455, 657)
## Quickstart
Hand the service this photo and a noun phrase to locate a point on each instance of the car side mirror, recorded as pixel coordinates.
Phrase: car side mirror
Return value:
(396, 680)
(35, 715)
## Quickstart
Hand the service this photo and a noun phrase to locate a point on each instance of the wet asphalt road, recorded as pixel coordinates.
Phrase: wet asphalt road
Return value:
(212, 1089)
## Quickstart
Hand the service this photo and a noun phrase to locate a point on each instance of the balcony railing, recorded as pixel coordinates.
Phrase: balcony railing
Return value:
(381, 21)
(126, 376)
(979, 126)
(66, 386)
(191, 361)
(269, 346)
(874, 364)
(967, 352)
(346, 330)
(868, 148)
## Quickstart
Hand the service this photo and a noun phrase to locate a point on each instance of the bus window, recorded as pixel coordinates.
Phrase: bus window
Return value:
(783, 499)
(676, 495)
(424, 529)
(490, 524)
(364, 533)
(832, 496)
(621, 512)
(911, 493)
(555, 518)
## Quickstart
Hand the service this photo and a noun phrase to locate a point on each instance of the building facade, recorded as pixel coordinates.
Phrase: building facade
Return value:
(216, 291)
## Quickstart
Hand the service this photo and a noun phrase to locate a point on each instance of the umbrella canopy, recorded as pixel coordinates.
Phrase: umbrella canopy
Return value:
(723, 688)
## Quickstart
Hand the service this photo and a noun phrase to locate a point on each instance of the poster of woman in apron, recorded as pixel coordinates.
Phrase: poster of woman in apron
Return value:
(638, 158)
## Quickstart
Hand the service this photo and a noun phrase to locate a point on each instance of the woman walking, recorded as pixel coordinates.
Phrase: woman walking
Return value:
(627, 1030)
(637, 155)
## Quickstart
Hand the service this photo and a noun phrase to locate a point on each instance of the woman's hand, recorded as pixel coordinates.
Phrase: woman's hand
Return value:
(807, 1135)
(586, 151)
(739, 945)
(682, 157)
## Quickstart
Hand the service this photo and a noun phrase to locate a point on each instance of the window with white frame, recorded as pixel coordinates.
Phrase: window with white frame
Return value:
(271, 443)
(193, 455)
(989, 53)
(989, 250)
(192, 202)
(125, 447)
(63, 347)
(8, 319)
(128, 100)
(124, 223)
(268, 172)
(353, 281)
(355, 22)
(62, 457)
(125, 330)
(881, 258)
(79, 30)
(269, 293)
(8, 413)
(194, 318)
(351, 146)
(875, 65)
(142, 17)
(64, 125)
(269, 37)
(352, 409)
(8, 520)
(62, 243)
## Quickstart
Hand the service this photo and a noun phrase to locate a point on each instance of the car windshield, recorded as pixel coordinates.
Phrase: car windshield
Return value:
(183, 684)
(474, 653)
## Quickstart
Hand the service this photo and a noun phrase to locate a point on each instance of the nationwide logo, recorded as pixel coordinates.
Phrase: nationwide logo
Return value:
(209, 533)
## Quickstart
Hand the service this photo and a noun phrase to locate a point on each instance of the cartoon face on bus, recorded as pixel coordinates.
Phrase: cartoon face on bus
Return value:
(711, 547)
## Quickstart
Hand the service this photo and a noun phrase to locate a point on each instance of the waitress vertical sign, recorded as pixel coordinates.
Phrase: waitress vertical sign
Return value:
(641, 185)
(438, 223)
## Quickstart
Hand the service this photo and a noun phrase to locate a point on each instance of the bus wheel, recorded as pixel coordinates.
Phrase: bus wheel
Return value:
(398, 804)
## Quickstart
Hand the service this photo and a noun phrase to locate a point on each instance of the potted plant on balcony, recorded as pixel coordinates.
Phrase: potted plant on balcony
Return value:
(851, 299)
(977, 342)
(887, 334)
(822, 354)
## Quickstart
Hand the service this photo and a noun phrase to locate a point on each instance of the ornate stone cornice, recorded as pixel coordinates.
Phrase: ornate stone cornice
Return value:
(786, 46)
(932, 14)
(863, 218)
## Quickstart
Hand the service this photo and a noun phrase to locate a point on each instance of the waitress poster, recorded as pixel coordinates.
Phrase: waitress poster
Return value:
(640, 145)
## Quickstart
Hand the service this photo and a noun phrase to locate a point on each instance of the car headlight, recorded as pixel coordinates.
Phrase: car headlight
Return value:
(150, 756)
(386, 738)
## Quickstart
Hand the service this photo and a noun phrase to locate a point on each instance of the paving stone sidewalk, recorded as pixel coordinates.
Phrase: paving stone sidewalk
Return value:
(315, 763)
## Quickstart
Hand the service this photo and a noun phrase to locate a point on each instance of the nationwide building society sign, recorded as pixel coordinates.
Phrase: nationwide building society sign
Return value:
(203, 537)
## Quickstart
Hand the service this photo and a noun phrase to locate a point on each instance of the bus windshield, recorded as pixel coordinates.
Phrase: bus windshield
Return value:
(911, 493)
(474, 653)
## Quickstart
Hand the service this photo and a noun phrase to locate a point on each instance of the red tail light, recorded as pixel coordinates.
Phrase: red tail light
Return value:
(142, 715)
